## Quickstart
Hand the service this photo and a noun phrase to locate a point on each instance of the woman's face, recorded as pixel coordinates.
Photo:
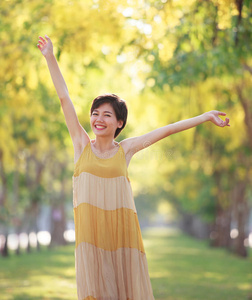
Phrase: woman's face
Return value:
(103, 120)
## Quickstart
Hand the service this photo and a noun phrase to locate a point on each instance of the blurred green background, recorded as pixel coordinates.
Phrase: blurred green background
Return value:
(170, 60)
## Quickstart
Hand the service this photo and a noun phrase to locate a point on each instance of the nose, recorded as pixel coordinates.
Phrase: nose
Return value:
(100, 118)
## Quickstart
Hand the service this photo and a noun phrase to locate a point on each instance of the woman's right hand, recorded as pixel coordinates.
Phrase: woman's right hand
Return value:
(45, 46)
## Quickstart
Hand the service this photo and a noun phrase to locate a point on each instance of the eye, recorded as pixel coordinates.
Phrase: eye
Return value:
(107, 115)
(95, 114)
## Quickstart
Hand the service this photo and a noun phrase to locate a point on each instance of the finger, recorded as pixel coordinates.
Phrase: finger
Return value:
(44, 41)
(221, 113)
(227, 121)
(47, 37)
(39, 46)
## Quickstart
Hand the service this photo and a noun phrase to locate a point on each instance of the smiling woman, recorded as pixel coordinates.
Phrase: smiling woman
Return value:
(111, 106)
(110, 258)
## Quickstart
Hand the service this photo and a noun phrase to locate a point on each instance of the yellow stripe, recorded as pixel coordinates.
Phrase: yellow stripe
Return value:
(107, 229)
(107, 168)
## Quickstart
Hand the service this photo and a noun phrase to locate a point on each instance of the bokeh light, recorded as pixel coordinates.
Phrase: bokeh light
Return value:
(44, 237)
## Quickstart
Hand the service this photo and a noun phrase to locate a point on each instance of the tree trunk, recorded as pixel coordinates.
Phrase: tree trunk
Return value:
(58, 225)
(220, 236)
(58, 218)
(5, 251)
(241, 216)
(3, 203)
(16, 219)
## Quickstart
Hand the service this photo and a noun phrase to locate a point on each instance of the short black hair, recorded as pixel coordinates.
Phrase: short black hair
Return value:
(118, 104)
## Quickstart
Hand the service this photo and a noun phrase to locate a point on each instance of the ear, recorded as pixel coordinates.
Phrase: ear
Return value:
(120, 124)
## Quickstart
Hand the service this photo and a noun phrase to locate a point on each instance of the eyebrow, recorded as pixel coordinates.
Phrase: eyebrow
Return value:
(106, 111)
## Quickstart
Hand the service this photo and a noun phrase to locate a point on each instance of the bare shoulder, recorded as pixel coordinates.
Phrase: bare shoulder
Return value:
(126, 144)
(79, 146)
(130, 145)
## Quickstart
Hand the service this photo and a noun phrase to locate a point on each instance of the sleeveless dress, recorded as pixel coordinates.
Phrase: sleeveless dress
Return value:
(110, 260)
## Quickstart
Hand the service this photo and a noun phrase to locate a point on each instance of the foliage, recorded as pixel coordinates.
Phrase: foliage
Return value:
(170, 60)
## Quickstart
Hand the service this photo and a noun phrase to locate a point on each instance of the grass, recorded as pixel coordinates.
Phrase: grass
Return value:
(48, 274)
(180, 268)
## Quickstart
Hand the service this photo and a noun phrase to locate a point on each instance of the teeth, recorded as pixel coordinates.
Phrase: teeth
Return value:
(98, 126)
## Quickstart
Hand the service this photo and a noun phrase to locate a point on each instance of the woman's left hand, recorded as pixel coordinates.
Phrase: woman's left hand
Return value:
(213, 116)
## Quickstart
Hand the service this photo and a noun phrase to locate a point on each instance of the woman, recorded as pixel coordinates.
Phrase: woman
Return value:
(110, 259)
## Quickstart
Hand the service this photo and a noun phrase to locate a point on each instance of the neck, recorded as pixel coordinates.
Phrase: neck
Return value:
(103, 144)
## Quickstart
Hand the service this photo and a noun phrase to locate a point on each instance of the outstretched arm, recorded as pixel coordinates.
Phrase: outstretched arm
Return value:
(138, 143)
(78, 134)
(46, 48)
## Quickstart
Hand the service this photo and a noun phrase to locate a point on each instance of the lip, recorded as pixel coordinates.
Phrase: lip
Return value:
(99, 128)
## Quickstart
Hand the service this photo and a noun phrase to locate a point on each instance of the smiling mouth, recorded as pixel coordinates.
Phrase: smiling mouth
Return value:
(99, 127)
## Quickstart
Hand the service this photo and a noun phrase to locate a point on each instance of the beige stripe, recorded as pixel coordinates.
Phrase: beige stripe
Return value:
(105, 193)
(90, 298)
(118, 275)
(93, 298)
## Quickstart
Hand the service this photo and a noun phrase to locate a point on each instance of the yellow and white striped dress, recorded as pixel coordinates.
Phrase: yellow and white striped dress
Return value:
(110, 260)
